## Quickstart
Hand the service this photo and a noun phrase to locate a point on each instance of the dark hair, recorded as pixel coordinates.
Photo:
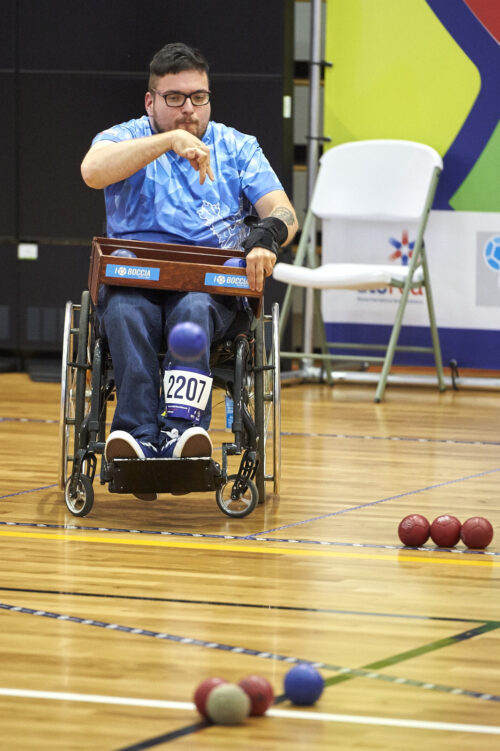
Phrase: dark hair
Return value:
(174, 58)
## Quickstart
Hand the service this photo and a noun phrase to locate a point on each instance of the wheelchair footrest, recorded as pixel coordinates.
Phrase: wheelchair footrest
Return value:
(176, 476)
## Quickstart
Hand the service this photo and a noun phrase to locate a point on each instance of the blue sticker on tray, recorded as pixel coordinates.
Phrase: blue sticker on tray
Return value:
(122, 271)
(226, 280)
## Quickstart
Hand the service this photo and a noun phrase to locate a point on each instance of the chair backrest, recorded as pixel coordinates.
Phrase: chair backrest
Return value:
(375, 180)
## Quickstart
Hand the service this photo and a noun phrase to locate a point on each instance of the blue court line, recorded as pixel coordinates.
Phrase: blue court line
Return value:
(287, 659)
(24, 492)
(375, 503)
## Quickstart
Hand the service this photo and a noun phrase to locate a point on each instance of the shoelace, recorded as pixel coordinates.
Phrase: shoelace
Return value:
(149, 445)
(173, 436)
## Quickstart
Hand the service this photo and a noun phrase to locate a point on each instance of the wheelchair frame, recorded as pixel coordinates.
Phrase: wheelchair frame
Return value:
(87, 386)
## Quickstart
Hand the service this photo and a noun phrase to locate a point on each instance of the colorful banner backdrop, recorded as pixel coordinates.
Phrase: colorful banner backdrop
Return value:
(424, 70)
(427, 71)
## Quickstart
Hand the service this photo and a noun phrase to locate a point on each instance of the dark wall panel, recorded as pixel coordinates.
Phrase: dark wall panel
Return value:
(68, 111)
(8, 35)
(8, 153)
(9, 297)
(60, 274)
(119, 35)
(253, 106)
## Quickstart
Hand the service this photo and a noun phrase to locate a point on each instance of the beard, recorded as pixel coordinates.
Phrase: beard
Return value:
(191, 125)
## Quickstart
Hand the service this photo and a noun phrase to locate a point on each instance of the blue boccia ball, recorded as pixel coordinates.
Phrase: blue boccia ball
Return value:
(239, 262)
(124, 253)
(303, 685)
(187, 341)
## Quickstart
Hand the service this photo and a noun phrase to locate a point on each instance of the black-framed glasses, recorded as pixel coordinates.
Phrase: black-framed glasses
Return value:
(177, 98)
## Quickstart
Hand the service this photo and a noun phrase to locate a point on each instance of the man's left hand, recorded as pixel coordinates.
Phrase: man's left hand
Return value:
(260, 263)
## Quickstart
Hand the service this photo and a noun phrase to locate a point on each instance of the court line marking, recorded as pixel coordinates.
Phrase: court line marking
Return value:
(216, 603)
(296, 434)
(213, 536)
(345, 673)
(381, 500)
(242, 548)
(281, 713)
(30, 490)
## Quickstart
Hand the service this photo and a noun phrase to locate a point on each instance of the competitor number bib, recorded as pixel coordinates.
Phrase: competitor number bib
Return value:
(186, 393)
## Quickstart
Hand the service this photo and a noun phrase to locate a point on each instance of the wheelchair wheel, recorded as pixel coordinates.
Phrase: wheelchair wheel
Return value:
(75, 383)
(81, 499)
(238, 507)
(267, 404)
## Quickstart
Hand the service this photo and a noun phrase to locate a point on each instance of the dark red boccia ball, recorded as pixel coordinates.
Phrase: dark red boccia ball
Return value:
(477, 532)
(260, 693)
(414, 530)
(445, 531)
(202, 692)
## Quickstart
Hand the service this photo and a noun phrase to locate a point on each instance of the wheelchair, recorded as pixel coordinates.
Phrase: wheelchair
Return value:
(244, 367)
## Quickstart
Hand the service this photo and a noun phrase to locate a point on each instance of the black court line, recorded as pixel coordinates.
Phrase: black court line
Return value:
(216, 603)
(166, 737)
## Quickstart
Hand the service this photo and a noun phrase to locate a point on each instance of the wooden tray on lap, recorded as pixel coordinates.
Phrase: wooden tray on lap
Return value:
(167, 266)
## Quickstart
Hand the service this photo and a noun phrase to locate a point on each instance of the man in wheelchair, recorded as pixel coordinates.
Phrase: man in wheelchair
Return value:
(148, 168)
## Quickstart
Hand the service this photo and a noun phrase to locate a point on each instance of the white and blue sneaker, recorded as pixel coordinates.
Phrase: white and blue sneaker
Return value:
(121, 445)
(194, 442)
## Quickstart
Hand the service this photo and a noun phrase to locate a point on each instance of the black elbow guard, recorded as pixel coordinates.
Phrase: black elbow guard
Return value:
(269, 233)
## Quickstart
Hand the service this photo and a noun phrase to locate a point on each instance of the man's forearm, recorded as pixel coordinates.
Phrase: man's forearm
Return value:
(288, 217)
(116, 161)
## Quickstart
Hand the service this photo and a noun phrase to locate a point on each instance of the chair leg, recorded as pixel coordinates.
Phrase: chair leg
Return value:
(391, 347)
(320, 325)
(432, 321)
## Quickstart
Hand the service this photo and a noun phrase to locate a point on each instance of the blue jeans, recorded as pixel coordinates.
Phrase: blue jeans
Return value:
(136, 323)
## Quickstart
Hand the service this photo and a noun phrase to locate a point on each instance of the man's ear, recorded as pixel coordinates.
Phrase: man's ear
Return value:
(148, 102)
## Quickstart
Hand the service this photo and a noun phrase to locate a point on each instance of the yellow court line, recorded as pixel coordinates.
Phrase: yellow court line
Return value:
(197, 545)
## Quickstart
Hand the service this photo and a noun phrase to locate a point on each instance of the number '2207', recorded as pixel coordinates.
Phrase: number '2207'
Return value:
(181, 388)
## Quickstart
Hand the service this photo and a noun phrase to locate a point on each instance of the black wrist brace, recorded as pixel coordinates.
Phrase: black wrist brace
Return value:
(267, 233)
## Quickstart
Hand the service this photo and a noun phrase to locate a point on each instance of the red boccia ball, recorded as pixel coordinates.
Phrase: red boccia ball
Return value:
(260, 693)
(445, 531)
(477, 532)
(202, 692)
(414, 530)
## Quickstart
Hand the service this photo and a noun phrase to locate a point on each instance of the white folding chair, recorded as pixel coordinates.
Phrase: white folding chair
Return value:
(358, 183)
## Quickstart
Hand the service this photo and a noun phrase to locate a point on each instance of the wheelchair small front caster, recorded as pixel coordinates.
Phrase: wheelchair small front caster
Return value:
(81, 499)
(236, 504)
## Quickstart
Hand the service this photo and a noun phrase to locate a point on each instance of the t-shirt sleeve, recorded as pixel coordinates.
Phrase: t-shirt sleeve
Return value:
(115, 133)
(256, 174)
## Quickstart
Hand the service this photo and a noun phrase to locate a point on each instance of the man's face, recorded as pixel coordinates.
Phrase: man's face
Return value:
(188, 117)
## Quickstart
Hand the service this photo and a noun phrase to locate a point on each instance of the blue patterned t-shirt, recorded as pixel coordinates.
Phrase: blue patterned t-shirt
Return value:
(164, 201)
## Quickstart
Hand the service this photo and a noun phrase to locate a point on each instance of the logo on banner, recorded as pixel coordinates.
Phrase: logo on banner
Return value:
(404, 249)
(488, 269)
(132, 272)
(226, 280)
(402, 254)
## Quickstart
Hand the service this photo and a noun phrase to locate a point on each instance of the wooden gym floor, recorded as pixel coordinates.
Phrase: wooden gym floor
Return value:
(109, 622)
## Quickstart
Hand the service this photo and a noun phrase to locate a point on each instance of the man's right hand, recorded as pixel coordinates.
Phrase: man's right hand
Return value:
(190, 147)
(109, 162)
